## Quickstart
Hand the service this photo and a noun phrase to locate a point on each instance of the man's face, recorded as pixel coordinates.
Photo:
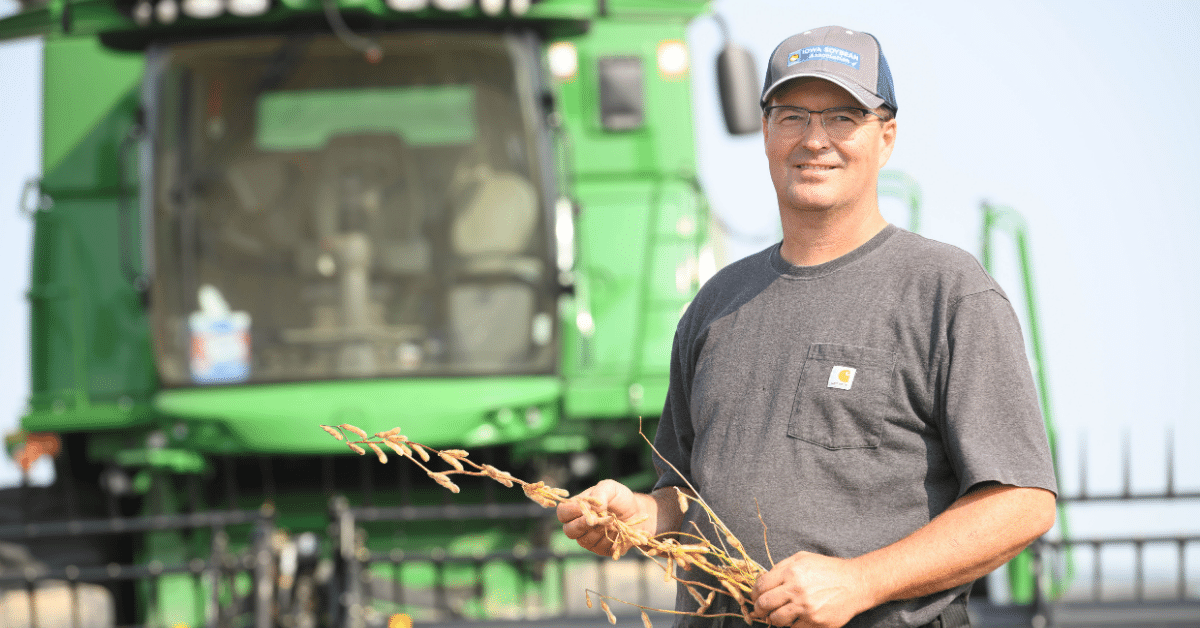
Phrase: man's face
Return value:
(813, 172)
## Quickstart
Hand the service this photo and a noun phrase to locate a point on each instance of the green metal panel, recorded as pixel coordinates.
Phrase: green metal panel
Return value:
(67, 17)
(30, 23)
(437, 412)
(63, 417)
(84, 83)
(626, 8)
(613, 227)
(639, 241)
(90, 339)
(664, 143)
(679, 217)
(563, 9)
(629, 247)
(89, 167)
(89, 17)
(90, 359)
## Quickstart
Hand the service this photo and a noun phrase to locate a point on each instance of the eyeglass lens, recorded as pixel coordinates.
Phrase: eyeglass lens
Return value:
(839, 122)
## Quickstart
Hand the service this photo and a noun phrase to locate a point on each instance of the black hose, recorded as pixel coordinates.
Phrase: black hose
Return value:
(367, 46)
(131, 271)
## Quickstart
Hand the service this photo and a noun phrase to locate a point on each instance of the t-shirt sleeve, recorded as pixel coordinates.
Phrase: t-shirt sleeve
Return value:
(991, 420)
(673, 440)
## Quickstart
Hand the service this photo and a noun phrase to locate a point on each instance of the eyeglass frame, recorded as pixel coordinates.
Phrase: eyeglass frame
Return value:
(820, 113)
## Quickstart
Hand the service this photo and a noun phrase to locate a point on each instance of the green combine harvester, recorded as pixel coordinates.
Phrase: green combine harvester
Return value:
(476, 220)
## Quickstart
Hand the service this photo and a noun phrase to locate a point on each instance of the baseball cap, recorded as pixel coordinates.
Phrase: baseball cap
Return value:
(851, 59)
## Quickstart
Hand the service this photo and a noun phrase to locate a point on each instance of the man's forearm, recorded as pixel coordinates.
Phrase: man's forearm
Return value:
(979, 532)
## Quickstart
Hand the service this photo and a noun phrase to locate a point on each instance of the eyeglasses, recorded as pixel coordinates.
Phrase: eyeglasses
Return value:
(839, 122)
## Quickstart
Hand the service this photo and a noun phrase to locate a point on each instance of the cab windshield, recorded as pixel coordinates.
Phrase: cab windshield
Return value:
(316, 216)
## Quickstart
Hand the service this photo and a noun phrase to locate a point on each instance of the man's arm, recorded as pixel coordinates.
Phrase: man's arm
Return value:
(661, 508)
(979, 532)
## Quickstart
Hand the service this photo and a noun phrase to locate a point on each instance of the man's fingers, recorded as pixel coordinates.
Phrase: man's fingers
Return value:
(767, 581)
(576, 528)
(568, 511)
(779, 574)
(770, 595)
(595, 541)
(607, 496)
(783, 618)
(772, 607)
(765, 602)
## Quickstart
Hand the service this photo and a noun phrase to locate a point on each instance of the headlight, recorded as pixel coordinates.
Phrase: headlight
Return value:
(166, 11)
(248, 8)
(407, 5)
(203, 9)
(563, 59)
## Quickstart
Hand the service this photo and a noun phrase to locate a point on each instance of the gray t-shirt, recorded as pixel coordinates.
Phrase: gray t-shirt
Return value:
(854, 400)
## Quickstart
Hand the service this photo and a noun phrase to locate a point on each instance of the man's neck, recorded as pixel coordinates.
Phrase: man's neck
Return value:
(813, 238)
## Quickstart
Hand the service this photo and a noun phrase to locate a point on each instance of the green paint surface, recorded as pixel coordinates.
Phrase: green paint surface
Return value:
(83, 81)
(436, 412)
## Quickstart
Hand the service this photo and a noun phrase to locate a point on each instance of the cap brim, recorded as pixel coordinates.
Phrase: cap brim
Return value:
(867, 99)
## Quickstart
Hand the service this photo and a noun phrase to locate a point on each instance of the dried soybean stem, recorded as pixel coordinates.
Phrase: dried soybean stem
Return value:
(766, 545)
(590, 592)
(733, 569)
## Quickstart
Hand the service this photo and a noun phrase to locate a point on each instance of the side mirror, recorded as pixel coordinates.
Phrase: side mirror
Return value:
(737, 81)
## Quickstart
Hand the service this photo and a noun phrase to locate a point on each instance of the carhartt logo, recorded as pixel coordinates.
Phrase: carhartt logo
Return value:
(841, 377)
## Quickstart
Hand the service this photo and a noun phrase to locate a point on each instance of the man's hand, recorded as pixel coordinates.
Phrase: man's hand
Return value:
(657, 513)
(808, 590)
(617, 499)
(979, 532)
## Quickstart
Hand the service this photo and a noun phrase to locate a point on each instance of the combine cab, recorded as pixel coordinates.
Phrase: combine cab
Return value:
(476, 221)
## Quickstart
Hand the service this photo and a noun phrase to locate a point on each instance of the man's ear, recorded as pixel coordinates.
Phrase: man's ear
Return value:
(888, 139)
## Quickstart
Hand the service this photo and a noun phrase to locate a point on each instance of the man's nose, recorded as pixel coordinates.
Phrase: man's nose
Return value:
(815, 134)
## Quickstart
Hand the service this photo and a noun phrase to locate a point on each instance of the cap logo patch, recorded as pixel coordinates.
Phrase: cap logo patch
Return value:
(824, 53)
(841, 377)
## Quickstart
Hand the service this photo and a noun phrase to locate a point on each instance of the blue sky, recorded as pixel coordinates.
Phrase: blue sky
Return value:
(1081, 115)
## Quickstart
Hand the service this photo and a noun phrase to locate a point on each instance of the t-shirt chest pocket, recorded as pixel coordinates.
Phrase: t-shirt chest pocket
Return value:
(843, 395)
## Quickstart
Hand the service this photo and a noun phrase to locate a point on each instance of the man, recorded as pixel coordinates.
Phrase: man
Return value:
(865, 387)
